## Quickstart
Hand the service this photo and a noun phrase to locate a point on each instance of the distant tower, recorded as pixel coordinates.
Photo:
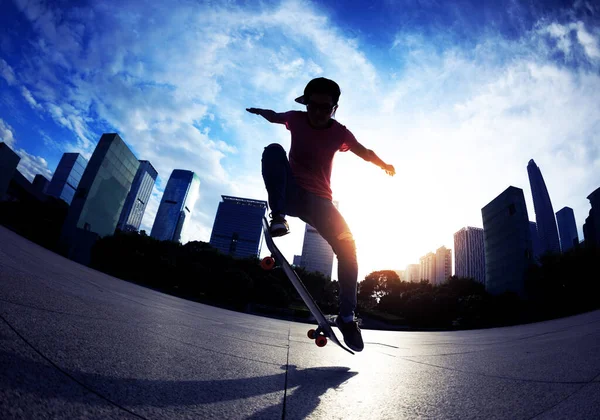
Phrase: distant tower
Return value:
(317, 254)
(100, 196)
(297, 260)
(443, 264)
(567, 228)
(469, 254)
(137, 199)
(411, 273)
(67, 176)
(544, 214)
(427, 270)
(176, 205)
(535, 240)
(507, 240)
(237, 229)
(591, 227)
(9, 161)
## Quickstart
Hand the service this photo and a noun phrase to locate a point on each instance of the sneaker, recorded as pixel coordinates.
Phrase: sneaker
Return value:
(351, 333)
(279, 226)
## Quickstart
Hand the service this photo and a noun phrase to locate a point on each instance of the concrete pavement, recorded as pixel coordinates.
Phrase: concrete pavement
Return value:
(76, 343)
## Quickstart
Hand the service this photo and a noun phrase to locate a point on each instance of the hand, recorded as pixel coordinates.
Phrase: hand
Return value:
(389, 169)
(256, 111)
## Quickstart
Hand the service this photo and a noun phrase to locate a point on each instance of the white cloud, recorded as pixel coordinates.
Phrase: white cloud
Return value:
(30, 99)
(7, 73)
(6, 133)
(31, 165)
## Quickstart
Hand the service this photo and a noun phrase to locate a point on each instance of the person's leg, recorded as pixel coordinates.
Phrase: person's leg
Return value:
(276, 173)
(327, 220)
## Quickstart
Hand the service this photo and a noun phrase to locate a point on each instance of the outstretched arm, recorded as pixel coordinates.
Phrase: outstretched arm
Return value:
(370, 156)
(268, 115)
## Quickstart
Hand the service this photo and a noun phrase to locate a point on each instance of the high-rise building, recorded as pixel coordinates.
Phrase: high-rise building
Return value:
(544, 214)
(237, 229)
(99, 199)
(317, 254)
(40, 184)
(67, 176)
(535, 241)
(411, 273)
(443, 264)
(137, 199)
(469, 254)
(176, 205)
(9, 161)
(567, 228)
(591, 227)
(297, 260)
(427, 269)
(507, 241)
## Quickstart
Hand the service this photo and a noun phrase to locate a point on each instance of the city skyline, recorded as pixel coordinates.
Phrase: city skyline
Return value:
(458, 100)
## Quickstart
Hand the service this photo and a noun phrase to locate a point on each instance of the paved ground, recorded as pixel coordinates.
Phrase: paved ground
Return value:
(75, 343)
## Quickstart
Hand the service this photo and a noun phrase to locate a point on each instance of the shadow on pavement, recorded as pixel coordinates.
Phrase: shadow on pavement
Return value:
(304, 385)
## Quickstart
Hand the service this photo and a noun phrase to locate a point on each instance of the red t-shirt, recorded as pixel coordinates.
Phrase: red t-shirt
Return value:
(312, 151)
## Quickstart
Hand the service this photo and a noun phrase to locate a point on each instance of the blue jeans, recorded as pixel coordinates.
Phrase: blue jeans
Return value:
(286, 197)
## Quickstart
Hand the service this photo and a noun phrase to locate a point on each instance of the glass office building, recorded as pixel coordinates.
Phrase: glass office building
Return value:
(507, 242)
(469, 254)
(9, 161)
(137, 199)
(67, 176)
(176, 205)
(104, 186)
(544, 214)
(237, 229)
(567, 228)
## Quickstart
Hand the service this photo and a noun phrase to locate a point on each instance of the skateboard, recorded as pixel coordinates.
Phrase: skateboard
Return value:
(323, 330)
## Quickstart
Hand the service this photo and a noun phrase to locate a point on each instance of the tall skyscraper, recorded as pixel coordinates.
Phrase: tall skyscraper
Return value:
(544, 214)
(469, 254)
(507, 241)
(176, 205)
(427, 270)
(317, 254)
(567, 228)
(535, 240)
(137, 199)
(297, 260)
(443, 264)
(99, 199)
(591, 227)
(40, 184)
(9, 161)
(67, 176)
(237, 229)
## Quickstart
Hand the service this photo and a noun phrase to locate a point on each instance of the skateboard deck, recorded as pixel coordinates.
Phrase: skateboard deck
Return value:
(324, 330)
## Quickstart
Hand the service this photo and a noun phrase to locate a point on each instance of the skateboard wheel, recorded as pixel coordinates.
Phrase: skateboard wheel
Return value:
(321, 341)
(311, 334)
(267, 263)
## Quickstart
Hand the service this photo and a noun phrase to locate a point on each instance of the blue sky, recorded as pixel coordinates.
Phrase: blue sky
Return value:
(457, 95)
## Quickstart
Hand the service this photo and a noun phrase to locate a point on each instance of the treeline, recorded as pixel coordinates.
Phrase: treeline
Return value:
(561, 285)
(200, 272)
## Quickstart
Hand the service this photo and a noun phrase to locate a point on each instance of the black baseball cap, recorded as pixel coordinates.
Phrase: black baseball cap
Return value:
(320, 85)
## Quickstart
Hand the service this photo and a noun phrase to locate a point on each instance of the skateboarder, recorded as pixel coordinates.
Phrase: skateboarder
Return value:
(300, 186)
